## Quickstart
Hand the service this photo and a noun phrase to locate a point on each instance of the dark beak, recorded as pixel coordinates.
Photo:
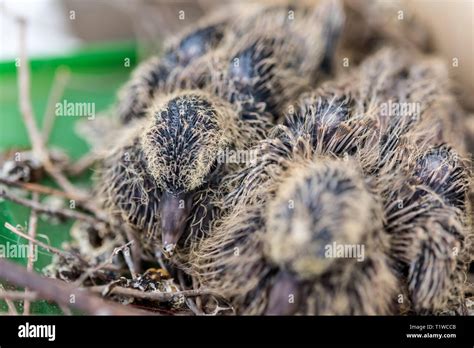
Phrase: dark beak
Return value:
(284, 296)
(175, 210)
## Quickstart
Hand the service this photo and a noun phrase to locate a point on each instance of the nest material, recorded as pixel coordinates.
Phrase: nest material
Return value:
(422, 186)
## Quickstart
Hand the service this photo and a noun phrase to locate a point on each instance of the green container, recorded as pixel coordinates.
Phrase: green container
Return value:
(96, 73)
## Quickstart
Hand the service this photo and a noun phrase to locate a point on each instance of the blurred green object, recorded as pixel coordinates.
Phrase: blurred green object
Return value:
(96, 73)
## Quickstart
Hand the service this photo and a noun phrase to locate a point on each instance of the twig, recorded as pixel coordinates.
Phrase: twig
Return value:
(54, 250)
(62, 213)
(198, 300)
(24, 95)
(152, 296)
(82, 164)
(11, 306)
(32, 223)
(18, 295)
(37, 142)
(62, 293)
(33, 187)
(189, 301)
(133, 260)
(61, 78)
(159, 258)
(66, 310)
(89, 272)
(219, 309)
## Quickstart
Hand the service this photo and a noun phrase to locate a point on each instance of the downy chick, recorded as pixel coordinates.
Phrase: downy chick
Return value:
(420, 161)
(272, 56)
(397, 153)
(161, 177)
(178, 146)
(159, 74)
(272, 252)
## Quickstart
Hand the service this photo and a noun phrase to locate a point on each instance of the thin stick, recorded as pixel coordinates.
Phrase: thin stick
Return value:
(61, 77)
(49, 248)
(159, 257)
(129, 261)
(189, 301)
(11, 306)
(33, 187)
(62, 293)
(37, 143)
(18, 296)
(32, 224)
(62, 213)
(198, 300)
(82, 164)
(99, 215)
(24, 93)
(66, 310)
(152, 296)
(89, 272)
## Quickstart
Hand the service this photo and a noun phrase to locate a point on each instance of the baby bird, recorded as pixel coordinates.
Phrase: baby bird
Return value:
(429, 226)
(176, 172)
(160, 74)
(403, 104)
(317, 210)
(275, 251)
(267, 254)
(371, 25)
(418, 151)
(426, 178)
(161, 177)
(273, 55)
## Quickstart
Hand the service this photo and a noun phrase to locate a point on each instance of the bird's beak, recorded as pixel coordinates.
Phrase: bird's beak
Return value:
(284, 296)
(175, 210)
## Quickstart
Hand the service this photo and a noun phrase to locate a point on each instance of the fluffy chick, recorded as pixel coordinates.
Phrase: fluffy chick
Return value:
(269, 254)
(163, 175)
(264, 57)
(416, 151)
(418, 158)
(273, 55)
(315, 209)
(371, 25)
(422, 198)
(160, 73)
(427, 217)
(426, 205)
(265, 255)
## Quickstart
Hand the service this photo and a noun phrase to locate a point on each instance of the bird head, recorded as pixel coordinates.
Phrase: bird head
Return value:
(317, 207)
(181, 143)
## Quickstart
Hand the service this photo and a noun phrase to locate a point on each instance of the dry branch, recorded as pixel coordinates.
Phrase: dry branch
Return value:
(61, 213)
(62, 293)
(61, 77)
(82, 164)
(54, 250)
(32, 224)
(33, 187)
(151, 296)
(18, 296)
(11, 306)
(36, 138)
(108, 262)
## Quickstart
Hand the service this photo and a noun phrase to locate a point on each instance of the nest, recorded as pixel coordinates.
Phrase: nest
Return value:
(116, 263)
